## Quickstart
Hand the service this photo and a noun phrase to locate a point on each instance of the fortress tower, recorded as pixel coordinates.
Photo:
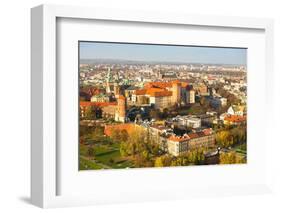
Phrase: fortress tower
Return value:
(176, 89)
(120, 113)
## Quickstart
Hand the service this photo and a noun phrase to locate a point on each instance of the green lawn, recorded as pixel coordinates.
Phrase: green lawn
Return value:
(88, 165)
(110, 155)
(83, 150)
(239, 149)
(107, 155)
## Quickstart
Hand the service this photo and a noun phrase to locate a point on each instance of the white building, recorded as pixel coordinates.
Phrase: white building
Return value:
(100, 98)
(178, 145)
(223, 101)
(189, 121)
(237, 110)
(190, 96)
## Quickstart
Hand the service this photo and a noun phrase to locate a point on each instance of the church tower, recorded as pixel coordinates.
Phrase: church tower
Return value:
(116, 89)
(108, 81)
(120, 113)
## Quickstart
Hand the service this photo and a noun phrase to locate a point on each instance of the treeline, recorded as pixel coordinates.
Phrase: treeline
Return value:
(231, 137)
(231, 158)
(194, 157)
(93, 134)
(140, 147)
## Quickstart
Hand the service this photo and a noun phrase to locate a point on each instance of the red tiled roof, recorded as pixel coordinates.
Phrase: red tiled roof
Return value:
(161, 94)
(165, 84)
(154, 92)
(178, 138)
(159, 88)
(153, 89)
(201, 134)
(140, 92)
(122, 97)
(192, 135)
(235, 118)
(157, 92)
(159, 84)
(100, 104)
(207, 131)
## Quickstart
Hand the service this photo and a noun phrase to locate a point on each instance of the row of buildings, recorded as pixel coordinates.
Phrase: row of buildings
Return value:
(235, 115)
(178, 145)
(168, 141)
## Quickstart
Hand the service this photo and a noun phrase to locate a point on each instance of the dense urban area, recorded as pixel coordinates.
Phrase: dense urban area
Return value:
(137, 114)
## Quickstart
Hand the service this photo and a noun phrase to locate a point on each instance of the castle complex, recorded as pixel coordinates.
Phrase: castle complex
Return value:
(160, 95)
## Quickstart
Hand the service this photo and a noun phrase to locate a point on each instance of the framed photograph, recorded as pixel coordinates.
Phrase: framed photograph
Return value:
(131, 106)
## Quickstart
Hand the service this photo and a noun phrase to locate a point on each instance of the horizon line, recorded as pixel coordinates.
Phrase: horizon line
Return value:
(156, 61)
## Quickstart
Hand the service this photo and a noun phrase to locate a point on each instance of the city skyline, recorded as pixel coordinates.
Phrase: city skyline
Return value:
(144, 106)
(162, 53)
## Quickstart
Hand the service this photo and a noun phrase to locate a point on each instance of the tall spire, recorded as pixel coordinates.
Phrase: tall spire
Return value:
(108, 80)
(109, 76)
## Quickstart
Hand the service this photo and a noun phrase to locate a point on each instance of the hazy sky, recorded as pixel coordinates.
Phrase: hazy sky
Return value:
(144, 52)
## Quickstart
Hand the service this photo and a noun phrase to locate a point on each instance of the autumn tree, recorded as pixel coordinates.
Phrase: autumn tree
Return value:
(124, 149)
(231, 158)
(97, 135)
(224, 138)
(239, 135)
(115, 134)
(91, 112)
(140, 146)
(124, 135)
(195, 156)
(159, 162)
(227, 158)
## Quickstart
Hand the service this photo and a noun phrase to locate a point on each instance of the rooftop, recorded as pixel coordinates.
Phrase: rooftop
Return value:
(99, 104)
(186, 137)
(165, 84)
(154, 92)
(235, 118)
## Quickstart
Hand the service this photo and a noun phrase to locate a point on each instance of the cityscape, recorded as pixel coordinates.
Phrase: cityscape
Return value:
(150, 105)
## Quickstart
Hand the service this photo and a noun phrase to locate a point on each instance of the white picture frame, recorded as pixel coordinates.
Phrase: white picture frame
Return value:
(44, 155)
